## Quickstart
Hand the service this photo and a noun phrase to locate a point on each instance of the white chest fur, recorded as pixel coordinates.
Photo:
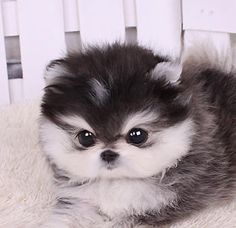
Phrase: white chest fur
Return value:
(123, 196)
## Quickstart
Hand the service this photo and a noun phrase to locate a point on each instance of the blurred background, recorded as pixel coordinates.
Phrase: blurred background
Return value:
(33, 32)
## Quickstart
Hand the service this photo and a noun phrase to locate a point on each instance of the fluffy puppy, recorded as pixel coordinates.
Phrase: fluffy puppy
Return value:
(134, 139)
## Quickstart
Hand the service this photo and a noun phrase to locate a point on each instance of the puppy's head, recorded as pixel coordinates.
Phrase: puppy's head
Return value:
(114, 112)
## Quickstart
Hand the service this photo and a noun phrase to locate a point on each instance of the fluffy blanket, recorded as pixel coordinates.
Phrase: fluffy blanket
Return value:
(26, 186)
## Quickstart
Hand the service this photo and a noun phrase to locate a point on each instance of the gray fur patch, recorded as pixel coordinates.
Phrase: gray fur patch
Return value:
(170, 70)
(98, 91)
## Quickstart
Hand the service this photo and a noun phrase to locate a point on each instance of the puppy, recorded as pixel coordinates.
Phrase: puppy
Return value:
(134, 139)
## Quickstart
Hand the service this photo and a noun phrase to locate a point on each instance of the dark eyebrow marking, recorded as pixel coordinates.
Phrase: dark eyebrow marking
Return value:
(67, 127)
(72, 130)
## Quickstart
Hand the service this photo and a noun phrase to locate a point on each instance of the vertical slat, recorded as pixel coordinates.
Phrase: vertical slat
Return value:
(4, 90)
(101, 21)
(10, 18)
(130, 13)
(159, 25)
(71, 15)
(41, 29)
(16, 90)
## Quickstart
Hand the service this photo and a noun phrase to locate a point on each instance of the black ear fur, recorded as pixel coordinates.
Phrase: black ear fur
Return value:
(175, 98)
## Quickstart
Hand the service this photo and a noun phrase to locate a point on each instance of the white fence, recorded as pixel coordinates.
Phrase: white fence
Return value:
(43, 25)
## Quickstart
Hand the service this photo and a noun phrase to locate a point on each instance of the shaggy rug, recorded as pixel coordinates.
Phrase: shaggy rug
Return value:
(26, 187)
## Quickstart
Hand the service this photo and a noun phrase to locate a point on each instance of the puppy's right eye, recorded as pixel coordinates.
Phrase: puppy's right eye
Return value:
(137, 136)
(86, 138)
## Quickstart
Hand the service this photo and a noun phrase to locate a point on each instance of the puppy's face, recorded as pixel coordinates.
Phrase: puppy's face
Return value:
(113, 113)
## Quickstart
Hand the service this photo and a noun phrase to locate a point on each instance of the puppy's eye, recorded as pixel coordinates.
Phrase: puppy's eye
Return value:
(86, 138)
(137, 136)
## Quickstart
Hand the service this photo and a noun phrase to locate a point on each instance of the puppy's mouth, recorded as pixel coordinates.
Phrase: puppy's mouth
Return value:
(110, 165)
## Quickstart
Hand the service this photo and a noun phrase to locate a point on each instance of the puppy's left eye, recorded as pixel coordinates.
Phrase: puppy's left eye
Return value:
(86, 138)
(137, 136)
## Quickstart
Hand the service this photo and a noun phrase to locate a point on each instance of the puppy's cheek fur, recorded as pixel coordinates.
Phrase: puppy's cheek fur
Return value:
(170, 145)
(57, 145)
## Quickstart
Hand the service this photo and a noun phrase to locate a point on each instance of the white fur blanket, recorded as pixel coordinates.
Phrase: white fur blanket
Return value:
(26, 189)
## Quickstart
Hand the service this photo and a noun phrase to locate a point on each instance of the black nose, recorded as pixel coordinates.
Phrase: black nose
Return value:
(109, 156)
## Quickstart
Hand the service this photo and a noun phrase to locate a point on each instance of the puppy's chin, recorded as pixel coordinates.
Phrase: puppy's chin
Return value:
(168, 146)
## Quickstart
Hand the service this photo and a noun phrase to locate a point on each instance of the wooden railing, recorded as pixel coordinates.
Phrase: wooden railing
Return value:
(45, 29)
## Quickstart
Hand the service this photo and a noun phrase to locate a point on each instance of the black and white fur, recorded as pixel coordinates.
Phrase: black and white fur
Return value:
(188, 161)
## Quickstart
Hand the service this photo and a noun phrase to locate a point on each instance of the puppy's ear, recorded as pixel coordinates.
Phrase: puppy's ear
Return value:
(168, 87)
(54, 70)
(170, 71)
